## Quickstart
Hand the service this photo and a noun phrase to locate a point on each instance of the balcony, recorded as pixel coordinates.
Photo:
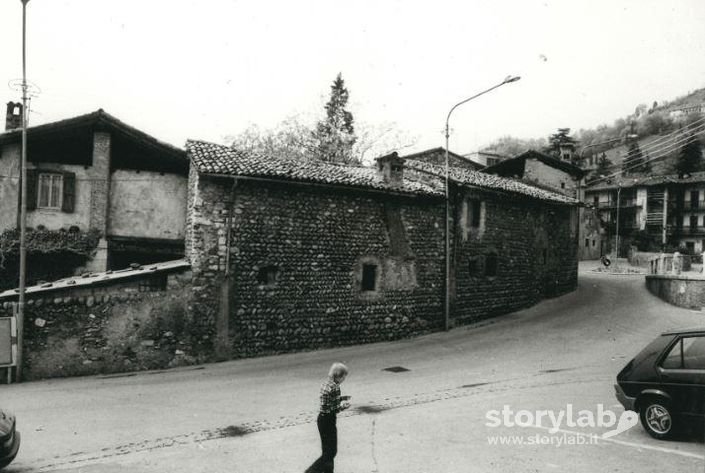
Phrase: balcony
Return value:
(688, 230)
(694, 205)
(626, 203)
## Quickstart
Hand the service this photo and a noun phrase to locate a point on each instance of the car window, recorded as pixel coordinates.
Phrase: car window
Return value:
(694, 353)
(674, 358)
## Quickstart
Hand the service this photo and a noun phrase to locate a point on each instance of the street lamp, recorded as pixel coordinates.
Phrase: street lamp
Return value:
(506, 80)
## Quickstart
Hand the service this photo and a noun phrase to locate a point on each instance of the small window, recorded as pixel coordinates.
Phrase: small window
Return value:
(593, 243)
(491, 265)
(267, 276)
(49, 191)
(153, 283)
(693, 221)
(369, 277)
(596, 200)
(474, 207)
(587, 243)
(474, 265)
(544, 256)
(562, 185)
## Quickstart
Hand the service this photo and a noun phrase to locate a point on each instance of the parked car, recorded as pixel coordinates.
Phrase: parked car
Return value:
(9, 438)
(665, 383)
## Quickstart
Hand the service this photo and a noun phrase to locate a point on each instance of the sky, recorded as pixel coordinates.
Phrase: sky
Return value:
(180, 69)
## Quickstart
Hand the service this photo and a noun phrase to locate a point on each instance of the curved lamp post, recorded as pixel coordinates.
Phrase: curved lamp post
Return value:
(507, 80)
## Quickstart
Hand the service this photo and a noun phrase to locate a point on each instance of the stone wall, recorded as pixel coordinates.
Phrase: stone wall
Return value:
(301, 256)
(515, 253)
(136, 324)
(682, 291)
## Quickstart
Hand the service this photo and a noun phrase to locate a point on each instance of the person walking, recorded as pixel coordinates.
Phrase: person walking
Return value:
(331, 403)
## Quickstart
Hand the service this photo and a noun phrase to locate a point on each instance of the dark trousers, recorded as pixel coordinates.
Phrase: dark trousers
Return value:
(329, 444)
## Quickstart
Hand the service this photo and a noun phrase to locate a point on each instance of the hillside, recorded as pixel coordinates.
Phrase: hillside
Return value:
(661, 129)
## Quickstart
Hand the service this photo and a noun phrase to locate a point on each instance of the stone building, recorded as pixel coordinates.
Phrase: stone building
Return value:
(94, 173)
(289, 255)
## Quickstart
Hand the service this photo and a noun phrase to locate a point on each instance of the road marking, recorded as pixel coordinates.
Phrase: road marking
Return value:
(625, 443)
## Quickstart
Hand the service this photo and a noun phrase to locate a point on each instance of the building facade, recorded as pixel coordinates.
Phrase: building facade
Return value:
(667, 210)
(94, 173)
(288, 255)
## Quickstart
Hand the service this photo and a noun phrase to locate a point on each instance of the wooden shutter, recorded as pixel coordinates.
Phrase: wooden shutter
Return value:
(32, 175)
(69, 198)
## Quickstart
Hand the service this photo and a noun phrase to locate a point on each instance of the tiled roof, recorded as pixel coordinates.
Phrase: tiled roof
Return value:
(91, 279)
(211, 158)
(491, 182)
(97, 118)
(646, 181)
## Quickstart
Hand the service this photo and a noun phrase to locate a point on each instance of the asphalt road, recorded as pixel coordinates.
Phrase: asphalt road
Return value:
(258, 415)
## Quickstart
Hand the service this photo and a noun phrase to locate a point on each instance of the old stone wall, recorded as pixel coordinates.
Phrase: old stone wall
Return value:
(511, 255)
(141, 323)
(680, 290)
(316, 267)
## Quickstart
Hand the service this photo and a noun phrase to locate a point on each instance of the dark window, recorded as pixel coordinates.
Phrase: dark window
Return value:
(267, 276)
(691, 246)
(474, 265)
(593, 243)
(693, 221)
(596, 200)
(562, 185)
(544, 256)
(694, 196)
(587, 243)
(688, 353)
(474, 209)
(153, 283)
(491, 265)
(369, 277)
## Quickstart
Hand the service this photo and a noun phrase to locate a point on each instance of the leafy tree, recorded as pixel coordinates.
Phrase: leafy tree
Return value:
(290, 138)
(512, 146)
(690, 158)
(603, 166)
(635, 161)
(334, 136)
(560, 142)
(293, 138)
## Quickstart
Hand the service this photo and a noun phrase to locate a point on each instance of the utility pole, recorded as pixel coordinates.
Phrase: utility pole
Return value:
(23, 207)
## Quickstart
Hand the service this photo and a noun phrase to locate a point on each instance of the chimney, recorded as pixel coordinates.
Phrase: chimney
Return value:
(390, 169)
(13, 119)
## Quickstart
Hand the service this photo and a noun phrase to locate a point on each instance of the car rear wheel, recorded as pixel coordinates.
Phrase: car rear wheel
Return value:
(657, 418)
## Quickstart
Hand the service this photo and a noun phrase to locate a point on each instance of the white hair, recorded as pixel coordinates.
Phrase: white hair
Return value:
(337, 370)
